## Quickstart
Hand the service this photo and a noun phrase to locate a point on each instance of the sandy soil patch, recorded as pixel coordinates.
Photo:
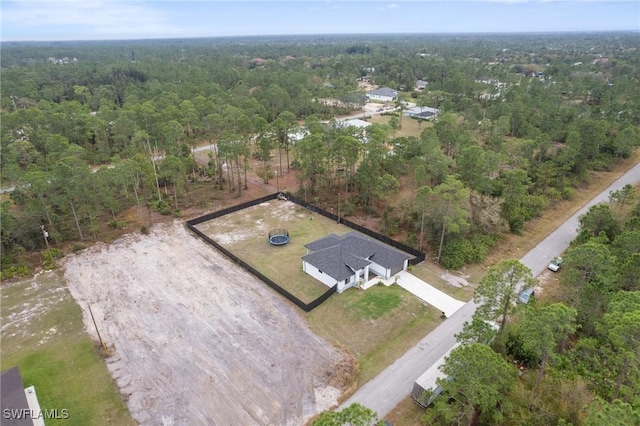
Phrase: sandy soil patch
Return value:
(455, 279)
(197, 340)
(17, 316)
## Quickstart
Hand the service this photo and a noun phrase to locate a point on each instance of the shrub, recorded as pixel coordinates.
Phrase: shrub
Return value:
(470, 249)
(348, 208)
(117, 224)
(77, 247)
(411, 239)
(14, 271)
(49, 256)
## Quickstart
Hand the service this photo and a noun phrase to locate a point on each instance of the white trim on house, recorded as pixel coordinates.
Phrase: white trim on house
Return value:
(383, 94)
(348, 259)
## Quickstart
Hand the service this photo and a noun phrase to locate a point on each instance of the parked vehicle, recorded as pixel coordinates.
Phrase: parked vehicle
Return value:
(555, 264)
(426, 388)
(525, 296)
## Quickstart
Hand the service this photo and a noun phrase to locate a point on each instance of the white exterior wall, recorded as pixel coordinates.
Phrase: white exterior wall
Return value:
(380, 270)
(330, 281)
(381, 98)
(386, 272)
(320, 276)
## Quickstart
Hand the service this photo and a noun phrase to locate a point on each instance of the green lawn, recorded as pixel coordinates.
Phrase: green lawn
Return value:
(245, 233)
(374, 304)
(376, 326)
(43, 335)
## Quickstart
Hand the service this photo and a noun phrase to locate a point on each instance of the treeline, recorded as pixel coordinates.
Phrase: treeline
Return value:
(523, 120)
(570, 359)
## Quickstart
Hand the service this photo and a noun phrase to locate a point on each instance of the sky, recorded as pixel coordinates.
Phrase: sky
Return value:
(52, 20)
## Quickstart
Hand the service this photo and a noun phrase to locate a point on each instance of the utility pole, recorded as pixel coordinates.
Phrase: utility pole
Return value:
(106, 351)
(421, 231)
(338, 207)
(441, 241)
(45, 234)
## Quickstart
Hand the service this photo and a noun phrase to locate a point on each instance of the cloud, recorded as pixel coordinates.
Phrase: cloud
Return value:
(92, 18)
(388, 7)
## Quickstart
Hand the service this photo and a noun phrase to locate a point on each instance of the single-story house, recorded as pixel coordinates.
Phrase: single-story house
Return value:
(422, 112)
(421, 84)
(383, 94)
(348, 259)
(356, 100)
(297, 134)
(354, 122)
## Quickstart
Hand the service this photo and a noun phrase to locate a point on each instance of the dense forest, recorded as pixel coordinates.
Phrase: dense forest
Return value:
(577, 356)
(91, 129)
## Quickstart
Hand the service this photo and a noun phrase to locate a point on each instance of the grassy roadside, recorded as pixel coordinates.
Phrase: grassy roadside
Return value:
(43, 334)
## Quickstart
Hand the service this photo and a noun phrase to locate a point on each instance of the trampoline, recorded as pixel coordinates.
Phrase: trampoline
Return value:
(278, 237)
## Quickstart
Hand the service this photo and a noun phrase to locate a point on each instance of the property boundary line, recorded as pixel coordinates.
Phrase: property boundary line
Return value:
(306, 307)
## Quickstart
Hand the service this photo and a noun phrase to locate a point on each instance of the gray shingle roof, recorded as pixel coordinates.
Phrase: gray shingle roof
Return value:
(336, 262)
(337, 255)
(13, 396)
(384, 91)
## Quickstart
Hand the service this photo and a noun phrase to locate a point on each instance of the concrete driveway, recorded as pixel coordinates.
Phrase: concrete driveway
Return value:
(431, 295)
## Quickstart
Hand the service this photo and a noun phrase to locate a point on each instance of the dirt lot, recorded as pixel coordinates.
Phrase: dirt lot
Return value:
(197, 340)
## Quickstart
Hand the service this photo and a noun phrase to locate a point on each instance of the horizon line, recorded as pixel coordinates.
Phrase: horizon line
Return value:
(540, 32)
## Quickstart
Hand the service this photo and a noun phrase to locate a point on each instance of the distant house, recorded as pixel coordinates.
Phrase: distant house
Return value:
(422, 112)
(349, 259)
(383, 94)
(354, 122)
(297, 134)
(356, 100)
(421, 84)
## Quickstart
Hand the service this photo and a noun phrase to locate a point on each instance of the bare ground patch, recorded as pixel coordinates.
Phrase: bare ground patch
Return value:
(197, 340)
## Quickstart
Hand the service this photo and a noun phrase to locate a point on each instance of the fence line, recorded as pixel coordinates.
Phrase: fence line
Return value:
(419, 256)
(307, 307)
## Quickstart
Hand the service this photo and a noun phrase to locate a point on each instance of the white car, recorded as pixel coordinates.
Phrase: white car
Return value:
(555, 264)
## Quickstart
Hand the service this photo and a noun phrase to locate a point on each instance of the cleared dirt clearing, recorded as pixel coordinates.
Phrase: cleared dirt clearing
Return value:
(196, 339)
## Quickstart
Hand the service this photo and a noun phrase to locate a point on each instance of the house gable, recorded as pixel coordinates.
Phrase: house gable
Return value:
(383, 93)
(336, 262)
(341, 257)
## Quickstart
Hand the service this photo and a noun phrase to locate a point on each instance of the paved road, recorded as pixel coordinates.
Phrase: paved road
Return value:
(393, 384)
